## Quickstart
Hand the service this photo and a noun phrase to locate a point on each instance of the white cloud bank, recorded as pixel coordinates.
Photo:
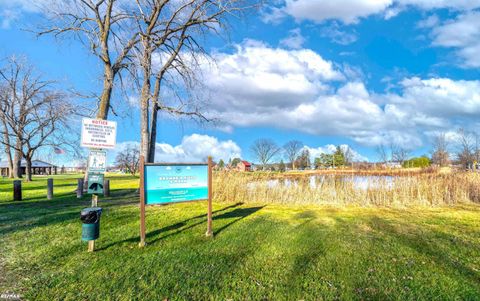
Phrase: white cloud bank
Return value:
(351, 11)
(193, 148)
(258, 85)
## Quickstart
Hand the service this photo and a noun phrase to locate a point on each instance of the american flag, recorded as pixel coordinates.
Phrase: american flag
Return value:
(58, 150)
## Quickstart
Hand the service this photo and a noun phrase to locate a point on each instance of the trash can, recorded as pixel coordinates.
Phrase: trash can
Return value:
(90, 218)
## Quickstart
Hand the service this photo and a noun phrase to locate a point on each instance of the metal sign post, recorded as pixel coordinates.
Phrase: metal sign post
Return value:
(167, 183)
(97, 135)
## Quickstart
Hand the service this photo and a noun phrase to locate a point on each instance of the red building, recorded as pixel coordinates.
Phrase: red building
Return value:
(244, 166)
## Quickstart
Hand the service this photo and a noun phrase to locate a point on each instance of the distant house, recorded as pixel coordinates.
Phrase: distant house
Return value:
(38, 168)
(244, 166)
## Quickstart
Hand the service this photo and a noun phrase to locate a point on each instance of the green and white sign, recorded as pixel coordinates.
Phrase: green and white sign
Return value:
(175, 183)
(97, 161)
(95, 183)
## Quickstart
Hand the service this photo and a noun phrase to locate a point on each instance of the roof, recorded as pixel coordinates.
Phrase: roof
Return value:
(246, 163)
(35, 163)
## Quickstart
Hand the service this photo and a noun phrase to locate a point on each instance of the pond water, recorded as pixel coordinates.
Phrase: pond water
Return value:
(315, 181)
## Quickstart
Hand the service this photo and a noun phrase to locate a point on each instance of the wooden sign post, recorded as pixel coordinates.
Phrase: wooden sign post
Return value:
(209, 206)
(167, 183)
(142, 201)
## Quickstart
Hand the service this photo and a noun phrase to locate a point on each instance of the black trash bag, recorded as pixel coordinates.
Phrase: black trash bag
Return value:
(90, 215)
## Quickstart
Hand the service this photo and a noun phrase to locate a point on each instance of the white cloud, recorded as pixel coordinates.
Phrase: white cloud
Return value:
(348, 11)
(462, 34)
(297, 90)
(193, 148)
(351, 11)
(294, 40)
(338, 36)
(430, 22)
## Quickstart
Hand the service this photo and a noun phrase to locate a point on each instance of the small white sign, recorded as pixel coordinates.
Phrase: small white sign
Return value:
(98, 133)
(97, 161)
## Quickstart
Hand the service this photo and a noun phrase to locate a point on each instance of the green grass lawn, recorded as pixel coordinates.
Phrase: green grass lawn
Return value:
(259, 252)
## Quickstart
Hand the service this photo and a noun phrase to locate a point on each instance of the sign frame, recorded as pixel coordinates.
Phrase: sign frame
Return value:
(143, 203)
(97, 145)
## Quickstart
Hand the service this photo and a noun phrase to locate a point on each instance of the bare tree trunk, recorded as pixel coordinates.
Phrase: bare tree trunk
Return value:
(144, 100)
(153, 121)
(8, 153)
(153, 133)
(17, 160)
(28, 168)
(104, 105)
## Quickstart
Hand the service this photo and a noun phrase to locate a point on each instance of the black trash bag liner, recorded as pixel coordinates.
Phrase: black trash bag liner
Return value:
(90, 215)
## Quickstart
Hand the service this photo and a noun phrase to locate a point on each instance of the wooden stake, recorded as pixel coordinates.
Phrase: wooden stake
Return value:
(94, 200)
(91, 243)
(209, 212)
(17, 190)
(142, 202)
(79, 188)
(50, 189)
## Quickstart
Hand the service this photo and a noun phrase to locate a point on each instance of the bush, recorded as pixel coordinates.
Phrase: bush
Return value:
(417, 162)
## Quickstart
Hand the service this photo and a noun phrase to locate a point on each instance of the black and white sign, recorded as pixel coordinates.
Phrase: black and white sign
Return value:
(97, 161)
(98, 133)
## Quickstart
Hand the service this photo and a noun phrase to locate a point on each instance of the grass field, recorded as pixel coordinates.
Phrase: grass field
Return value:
(273, 252)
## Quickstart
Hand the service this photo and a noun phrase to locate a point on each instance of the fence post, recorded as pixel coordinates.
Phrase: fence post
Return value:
(50, 188)
(17, 190)
(79, 188)
(106, 188)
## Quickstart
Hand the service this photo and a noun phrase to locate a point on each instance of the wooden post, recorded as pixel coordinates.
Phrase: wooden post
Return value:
(50, 188)
(17, 190)
(142, 202)
(106, 188)
(79, 188)
(91, 243)
(209, 212)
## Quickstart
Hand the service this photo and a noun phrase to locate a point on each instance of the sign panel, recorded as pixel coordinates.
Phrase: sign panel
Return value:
(97, 161)
(175, 183)
(95, 183)
(98, 133)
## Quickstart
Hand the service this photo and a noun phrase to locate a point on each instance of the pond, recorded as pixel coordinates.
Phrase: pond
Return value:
(316, 181)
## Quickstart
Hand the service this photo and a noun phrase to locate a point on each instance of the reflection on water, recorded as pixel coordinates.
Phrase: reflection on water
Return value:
(316, 181)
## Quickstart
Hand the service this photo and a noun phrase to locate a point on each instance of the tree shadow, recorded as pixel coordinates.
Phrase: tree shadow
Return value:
(179, 226)
(238, 214)
(418, 240)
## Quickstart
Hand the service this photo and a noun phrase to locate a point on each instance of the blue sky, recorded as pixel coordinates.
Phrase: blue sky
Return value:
(355, 72)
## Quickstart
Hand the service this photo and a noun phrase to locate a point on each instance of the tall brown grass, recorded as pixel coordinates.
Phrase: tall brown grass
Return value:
(414, 190)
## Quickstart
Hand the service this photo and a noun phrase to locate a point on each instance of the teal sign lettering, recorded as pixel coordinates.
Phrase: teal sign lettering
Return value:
(175, 183)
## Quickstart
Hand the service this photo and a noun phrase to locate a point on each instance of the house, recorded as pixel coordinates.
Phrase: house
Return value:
(244, 166)
(38, 168)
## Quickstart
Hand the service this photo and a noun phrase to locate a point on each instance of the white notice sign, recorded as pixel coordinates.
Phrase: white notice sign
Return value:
(98, 133)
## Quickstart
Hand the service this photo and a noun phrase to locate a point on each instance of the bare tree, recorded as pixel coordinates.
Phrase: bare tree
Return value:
(292, 149)
(31, 112)
(171, 30)
(398, 153)
(128, 159)
(465, 154)
(104, 27)
(264, 150)
(382, 153)
(440, 154)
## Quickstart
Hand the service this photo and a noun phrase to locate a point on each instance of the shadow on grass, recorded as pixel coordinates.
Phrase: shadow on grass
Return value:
(420, 241)
(180, 227)
(24, 215)
(238, 214)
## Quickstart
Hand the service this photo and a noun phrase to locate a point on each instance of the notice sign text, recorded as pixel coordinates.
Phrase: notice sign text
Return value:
(98, 133)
